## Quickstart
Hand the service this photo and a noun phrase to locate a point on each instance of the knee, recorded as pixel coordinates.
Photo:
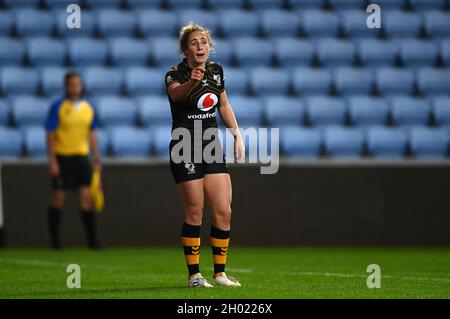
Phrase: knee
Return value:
(86, 201)
(223, 216)
(194, 214)
(57, 199)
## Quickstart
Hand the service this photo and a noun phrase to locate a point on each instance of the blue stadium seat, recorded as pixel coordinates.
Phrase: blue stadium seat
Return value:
(269, 81)
(367, 111)
(427, 4)
(428, 142)
(409, 111)
(6, 23)
(225, 4)
(154, 111)
(266, 4)
(391, 81)
(325, 111)
(165, 51)
(353, 81)
(283, 111)
(383, 142)
(12, 52)
(275, 23)
(445, 52)
(418, 53)
(238, 23)
(103, 141)
(391, 4)
(309, 81)
(223, 52)
(10, 143)
(144, 4)
(336, 52)
(184, 4)
(291, 52)
(129, 52)
(102, 81)
(236, 80)
(320, 23)
(437, 24)
(347, 4)
(301, 142)
(33, 23)
(4, 113)
(21, 4)
(161, 138)
(354, 24)
(248, 110)
(251, 51)
(116, 23)
(433, 81)
(401, 24)
(157, 23)
(61, 4)
(116, 111)
(141, 81)
(306, 4)
(103, 4)
(19, 81)
(374, 52)
(208, 19)
(52, 80)
(46, 51)
(87, 25)
(35, 141)
(441, 111)
(29, 110)
(343, 142)
(130, 142)
(86, 52)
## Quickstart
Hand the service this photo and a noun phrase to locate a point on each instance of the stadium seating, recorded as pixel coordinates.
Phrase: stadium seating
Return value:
(437, 24)
(418, 53)
(45, 51)
(184, 4)
(283, 111)
(353, 81)
(223, 52)
(301, 142)
(19, 81)
(392, 81)
(165, 51)
(409, 111)
(445, 52)
(235, 22)
(354, 23)
(103, 4)
(21, 4)
(368, 111)
(32, 23)
(391, 4)
(61, 4)
(251, 52)
(266, 4)
(343, 142)
(130, 142)
(336, 52)
(432, 81)
(441, 111)
(308, 81)
(52, 80)
(29, 111)
(103, 141)
(383, 142)
(401, 24)
(276, 23)
(6, 23)
(306, 4)
(102, 81)
(319, 23)
(347, 4)
(161, 138)
(429, 142)
(293, 52)
(11, 142)
(87, 51)
(87, 25)
(129, 52)
(153, 111)
(116, 23)
(12, 52)
(325, 111)
(139, 81)
(268, 81)
(376, 52)
(114, 111)
(236, 80)
(427, 4)
(4, 113)
(248, 109)
(35, 141)
(206, 18)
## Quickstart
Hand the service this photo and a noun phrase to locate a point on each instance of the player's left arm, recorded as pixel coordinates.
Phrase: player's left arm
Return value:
(228, 117)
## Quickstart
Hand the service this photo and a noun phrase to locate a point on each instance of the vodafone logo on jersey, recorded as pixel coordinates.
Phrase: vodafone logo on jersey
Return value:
(207, 101)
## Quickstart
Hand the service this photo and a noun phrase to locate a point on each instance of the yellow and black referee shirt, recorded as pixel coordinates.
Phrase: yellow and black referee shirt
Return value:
(71, 121)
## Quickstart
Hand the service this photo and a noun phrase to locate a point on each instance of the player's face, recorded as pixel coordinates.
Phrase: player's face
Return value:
(197, 50)
(74, 87)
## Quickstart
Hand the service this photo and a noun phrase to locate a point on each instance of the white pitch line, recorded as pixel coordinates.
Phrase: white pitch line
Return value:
(44, 263)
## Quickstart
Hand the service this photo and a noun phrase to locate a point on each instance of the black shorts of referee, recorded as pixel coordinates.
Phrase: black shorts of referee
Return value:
(74, 172)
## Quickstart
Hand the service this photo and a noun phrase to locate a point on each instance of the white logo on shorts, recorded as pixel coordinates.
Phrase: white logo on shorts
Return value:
(190, 168)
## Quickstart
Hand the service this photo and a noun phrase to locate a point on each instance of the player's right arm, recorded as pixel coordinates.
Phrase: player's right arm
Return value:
(178, 91)
(51, 125)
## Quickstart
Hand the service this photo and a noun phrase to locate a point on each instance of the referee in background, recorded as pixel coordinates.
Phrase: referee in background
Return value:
(70, 125)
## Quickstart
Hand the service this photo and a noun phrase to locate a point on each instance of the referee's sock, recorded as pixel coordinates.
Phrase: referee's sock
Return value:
(219, 243)
(54, 220)
(89, 223)
(190, 239)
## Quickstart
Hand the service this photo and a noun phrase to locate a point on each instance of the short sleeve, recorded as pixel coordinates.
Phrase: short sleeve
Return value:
(95, 120)
(52, 120)
(172, 76)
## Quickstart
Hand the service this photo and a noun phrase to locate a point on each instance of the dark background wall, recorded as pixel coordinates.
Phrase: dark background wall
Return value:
(303, 204)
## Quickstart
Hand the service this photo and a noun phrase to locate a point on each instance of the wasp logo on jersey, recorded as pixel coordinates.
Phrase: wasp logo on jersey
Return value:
(207, 101)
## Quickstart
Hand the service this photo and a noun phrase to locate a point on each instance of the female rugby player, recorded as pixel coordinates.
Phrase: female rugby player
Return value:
(195, 87)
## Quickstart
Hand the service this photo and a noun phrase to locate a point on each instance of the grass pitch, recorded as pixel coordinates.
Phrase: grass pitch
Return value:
(274, 272)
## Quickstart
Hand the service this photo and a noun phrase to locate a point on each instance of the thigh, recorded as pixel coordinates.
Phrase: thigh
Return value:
(191, 193)
(218, 191)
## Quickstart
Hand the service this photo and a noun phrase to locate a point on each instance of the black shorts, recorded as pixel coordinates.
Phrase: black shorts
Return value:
(183, 172)
(74, 172)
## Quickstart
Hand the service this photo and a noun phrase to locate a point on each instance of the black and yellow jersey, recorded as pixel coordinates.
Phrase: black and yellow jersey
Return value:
(72, 122)
(201, 101)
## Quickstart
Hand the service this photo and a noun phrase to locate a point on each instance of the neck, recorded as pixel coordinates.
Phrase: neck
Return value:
(192, 64)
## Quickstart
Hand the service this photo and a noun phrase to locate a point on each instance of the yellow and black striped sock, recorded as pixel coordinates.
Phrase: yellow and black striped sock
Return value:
(190, 239)
(219, 243)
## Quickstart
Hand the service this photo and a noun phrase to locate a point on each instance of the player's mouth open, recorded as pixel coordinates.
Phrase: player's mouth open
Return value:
(200, 55)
